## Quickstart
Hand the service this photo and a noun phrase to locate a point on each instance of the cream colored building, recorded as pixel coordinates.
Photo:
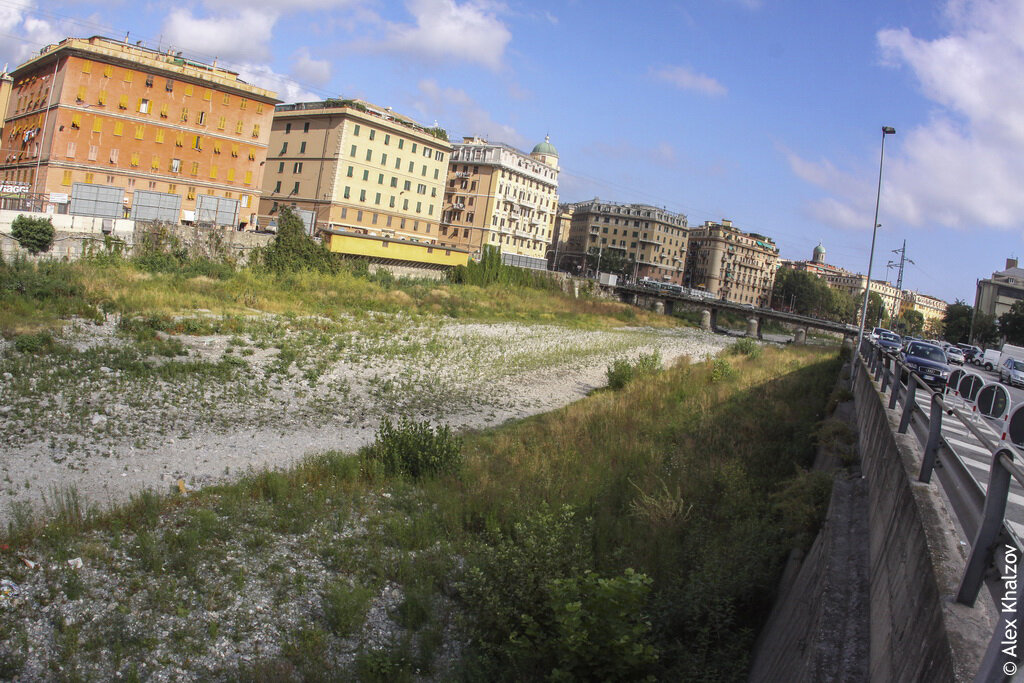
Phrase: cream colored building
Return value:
(930, 307)
(654, 239)
(501, 197)
(105, 128)
(359, 168)
(731, 264)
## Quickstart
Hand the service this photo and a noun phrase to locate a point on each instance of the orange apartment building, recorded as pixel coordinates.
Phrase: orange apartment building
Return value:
(100, 127)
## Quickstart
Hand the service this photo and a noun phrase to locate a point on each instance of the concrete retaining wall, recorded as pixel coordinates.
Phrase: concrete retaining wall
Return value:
(915, 558)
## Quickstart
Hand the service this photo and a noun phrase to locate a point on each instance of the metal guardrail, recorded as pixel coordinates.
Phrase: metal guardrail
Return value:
(995, 551)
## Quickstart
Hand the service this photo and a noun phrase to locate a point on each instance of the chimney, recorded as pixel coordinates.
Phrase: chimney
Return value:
(1011, 263)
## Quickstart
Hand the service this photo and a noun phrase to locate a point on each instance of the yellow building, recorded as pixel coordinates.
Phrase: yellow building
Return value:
(932, 308)
(499, 196)
(654, 239)
(358, 168)
(731, 264)
(105, 128)
(387, 250)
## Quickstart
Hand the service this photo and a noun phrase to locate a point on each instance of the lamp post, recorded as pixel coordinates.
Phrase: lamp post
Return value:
(886, 130)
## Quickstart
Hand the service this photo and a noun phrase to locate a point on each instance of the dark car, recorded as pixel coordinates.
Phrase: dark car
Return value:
(889, 342)
(928, 361)
(971, 352)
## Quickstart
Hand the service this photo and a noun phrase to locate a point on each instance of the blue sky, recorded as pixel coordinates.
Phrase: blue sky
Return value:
(766, 112)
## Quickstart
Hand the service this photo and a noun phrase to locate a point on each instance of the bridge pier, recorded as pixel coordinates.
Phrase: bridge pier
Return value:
(659, 306)
(800, 336)
(705, 320)
(753, 328)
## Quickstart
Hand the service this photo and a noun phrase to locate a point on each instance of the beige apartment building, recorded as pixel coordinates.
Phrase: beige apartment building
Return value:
(499, 196)
(105, 128)
(731, 264)
(358, 168)
(6, 85)
(654, 239)
(932, 308)
(997, 294)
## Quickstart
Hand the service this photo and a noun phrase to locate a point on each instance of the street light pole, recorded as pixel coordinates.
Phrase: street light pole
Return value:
(886, 130)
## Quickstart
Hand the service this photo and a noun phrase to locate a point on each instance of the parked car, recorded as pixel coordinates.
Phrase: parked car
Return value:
(1011, 372)
(928, 361)
(990, 359)
(970, 352)
(954, 355)
(873, 337)
(889, 342)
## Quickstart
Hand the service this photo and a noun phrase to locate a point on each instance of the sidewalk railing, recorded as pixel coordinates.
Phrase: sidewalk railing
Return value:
(995, 549)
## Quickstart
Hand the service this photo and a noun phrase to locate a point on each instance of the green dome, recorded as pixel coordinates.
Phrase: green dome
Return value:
(819, 250)
(546, 148)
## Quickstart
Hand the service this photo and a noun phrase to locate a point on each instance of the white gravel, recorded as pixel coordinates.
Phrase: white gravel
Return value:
(109, 434)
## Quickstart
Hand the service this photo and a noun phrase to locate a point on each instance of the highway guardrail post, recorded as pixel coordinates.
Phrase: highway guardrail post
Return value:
(909, 403)
(988, 532)
(931, 448)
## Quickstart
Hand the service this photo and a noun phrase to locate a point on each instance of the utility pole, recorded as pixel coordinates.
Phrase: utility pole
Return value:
(902, 251)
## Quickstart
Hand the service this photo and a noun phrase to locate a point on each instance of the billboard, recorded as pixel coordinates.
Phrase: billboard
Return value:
(156, 206)
(216, 210)
(97, 200)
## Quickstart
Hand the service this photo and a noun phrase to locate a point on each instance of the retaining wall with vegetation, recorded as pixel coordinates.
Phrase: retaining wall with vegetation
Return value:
(915, 559)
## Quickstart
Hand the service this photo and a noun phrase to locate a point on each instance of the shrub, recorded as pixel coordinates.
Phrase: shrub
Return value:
(413, 449)
(745, 347)
(33, 234)
(293, 250)
(38, 343)
(621, 372)
(490, 270)
(721, 370)
(345, 607)
(507, 589)
(600, 630)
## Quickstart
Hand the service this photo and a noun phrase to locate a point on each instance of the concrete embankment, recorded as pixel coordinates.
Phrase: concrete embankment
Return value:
(913, 557)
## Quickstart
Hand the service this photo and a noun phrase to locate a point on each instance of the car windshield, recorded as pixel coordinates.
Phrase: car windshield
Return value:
(1018, 365)
(932, 353)
(889, 336)
(954, 351)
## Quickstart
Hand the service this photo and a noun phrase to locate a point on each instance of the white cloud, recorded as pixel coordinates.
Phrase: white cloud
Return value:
(24, 35)
(961, 167)
(286, 88)
(305, 68)
(241, 38)
(456, 110)
(268, 6)
(685, 78)
(447, 30)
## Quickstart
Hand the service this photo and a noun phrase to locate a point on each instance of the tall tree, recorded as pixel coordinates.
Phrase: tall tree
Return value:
(986, 332)
(911, 322)
(877, 315)
(957, 322)
(1011, 324)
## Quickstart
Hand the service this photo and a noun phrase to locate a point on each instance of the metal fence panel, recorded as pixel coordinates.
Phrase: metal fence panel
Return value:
(156, 206)
(216, 210)
(97, 200)
(522, 261)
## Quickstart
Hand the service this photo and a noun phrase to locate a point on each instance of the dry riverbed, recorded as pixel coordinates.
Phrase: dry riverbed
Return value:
(107, 417)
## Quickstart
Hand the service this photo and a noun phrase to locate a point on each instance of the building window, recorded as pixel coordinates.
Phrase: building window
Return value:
(175, 165)
(355, 131)
(366, 175)
(297, 167)
(346, 195)
(280, 167)
(295, 190)
(284, 148)
(369, 155)
(169, 85)
(287, 129)
(372, 133)
(349, 174)
(302, 148)
(277, 187)
(362, 195)
(305, 127)
(97, 125)
(195, 168)
(352, 152)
